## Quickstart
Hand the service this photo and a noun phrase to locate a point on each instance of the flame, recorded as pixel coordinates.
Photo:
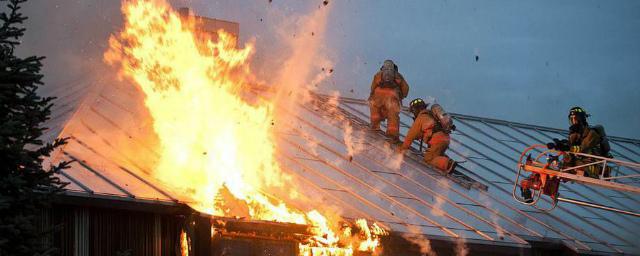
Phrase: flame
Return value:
(210, 138)
(184, 243)
(371, 235)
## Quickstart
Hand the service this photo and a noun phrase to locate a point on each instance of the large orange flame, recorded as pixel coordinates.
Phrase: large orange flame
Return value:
(209, 136)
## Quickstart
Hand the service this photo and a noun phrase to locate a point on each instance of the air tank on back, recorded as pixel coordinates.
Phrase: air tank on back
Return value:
(443, 118)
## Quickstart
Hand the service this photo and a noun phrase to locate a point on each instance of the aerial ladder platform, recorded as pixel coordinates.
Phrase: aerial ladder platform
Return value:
(550, 168)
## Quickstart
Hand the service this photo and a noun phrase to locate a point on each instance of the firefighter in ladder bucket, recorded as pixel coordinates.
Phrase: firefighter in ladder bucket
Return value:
(583, 139)
(433, 126)
(388, 88)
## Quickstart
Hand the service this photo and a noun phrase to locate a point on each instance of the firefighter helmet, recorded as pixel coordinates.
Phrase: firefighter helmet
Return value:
(416, 105)
(390, 64)
(577, 115)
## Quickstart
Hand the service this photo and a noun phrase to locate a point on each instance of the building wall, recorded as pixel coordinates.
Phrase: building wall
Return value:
(102, 231)
(88, 230)
(111, 230)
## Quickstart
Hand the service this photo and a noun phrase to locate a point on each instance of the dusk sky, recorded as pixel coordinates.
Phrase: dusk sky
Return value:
(536, 59)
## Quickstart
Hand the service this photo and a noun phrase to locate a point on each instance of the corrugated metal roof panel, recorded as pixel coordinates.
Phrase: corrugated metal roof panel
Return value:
(85, 175)
(491, 150)
(407, 197)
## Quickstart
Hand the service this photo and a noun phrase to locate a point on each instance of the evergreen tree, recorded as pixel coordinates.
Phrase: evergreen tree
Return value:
(26, 187)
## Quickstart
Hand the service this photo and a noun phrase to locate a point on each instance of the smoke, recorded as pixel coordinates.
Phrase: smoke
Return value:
(303, 68)
(439, 198)
(461, 248)
(390, 158)
(466, 153)
(394, 161)
(311, 143)
(422, 242)
(353, 139)
(72, 36)
(436, 210)
(494, 218)
(290, 57)
(415, 236)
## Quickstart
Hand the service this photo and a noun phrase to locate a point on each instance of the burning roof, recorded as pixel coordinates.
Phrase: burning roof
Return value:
(183, 134)
(411, 199)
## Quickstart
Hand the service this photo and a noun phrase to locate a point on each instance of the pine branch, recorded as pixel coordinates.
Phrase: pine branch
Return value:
(8, 30)
(25, 186)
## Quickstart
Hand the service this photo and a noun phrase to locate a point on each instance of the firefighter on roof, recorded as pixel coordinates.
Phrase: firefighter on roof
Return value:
(388, 88)
(433, 126)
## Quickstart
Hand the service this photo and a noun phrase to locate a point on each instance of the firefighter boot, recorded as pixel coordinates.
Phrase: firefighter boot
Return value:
(526, 194)
(451, 166)
(394, 139)
(526, 184)
(441, 163)
(375, 126)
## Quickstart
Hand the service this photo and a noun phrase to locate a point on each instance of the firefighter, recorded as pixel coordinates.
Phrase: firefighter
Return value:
(587, 140)
(582, 138)
(388, 88)
(434, 127)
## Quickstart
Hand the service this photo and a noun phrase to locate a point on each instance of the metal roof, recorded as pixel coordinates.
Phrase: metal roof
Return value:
(405, 196)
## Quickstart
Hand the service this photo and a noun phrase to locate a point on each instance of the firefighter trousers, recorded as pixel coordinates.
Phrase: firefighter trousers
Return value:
(385, 104)
(435, 154)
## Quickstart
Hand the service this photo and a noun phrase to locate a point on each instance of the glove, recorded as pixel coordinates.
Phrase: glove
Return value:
(575, 149)
(561, 145)
(551, 145)
(554, 144)
(574, 128)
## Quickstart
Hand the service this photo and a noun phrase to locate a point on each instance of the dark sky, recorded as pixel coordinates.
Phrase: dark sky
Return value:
(536, 59)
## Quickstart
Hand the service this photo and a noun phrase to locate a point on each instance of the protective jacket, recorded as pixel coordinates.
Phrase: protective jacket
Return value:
(586, 141)
(427, 127)
(400, 85)
(385, 102)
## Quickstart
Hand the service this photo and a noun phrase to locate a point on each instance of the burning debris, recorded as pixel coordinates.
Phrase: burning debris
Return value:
(192, 92)
(303, 235)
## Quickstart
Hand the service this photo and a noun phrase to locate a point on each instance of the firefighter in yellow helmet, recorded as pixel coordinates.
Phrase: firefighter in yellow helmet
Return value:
(388, 88)
(433, 126)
